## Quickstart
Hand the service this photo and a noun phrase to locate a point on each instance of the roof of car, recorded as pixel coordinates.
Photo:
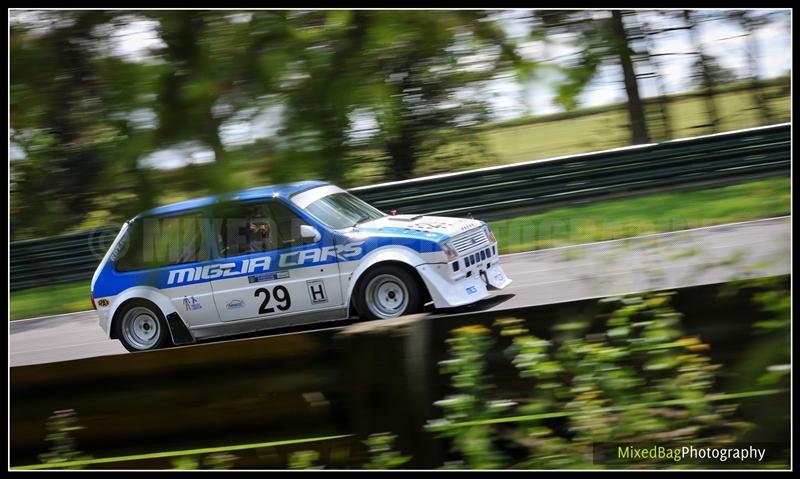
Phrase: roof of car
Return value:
(259, 192)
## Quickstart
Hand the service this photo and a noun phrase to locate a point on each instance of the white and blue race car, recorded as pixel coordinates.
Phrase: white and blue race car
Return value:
(282, 256)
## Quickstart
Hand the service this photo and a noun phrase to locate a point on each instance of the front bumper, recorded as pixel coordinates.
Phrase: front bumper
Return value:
(448, 290)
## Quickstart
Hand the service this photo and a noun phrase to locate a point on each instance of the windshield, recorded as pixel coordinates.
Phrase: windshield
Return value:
(342, 210)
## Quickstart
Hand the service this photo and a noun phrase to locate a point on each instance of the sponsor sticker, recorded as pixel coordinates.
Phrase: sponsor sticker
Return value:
(472, 290)
(191, 303)
(260, 278)
(235, 304)
(102, 302)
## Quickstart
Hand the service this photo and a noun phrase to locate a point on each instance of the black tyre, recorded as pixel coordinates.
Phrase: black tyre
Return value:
(386, 292)
(141, 326)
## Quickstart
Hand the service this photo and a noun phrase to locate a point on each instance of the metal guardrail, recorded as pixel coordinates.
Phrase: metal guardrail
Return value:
(58, 259)
(489, 193)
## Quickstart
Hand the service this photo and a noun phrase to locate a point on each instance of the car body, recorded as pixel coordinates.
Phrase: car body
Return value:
(283, 255)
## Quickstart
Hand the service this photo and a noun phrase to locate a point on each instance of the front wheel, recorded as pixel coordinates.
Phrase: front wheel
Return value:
(141, 327)
(388, 292)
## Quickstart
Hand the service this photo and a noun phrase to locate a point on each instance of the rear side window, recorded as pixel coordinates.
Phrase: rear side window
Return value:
(164, 241)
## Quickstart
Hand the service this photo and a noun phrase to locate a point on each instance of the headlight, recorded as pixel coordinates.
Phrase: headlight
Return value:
(489, 234)
(449, 251)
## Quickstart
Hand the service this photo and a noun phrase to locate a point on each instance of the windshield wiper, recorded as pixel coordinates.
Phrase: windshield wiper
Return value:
(362, 219)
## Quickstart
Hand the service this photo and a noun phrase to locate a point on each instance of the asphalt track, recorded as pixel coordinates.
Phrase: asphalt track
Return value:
(661, 261)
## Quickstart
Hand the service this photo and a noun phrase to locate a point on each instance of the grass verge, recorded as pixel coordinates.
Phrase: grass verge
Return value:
(52, 299)
(641, 215)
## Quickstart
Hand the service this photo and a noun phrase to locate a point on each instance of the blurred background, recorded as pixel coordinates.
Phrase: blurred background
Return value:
(113, 112)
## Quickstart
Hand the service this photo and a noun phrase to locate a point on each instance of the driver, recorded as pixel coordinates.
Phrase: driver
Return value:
(257, 232)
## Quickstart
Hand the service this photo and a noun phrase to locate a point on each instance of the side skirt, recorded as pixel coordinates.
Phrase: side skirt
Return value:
(263, 324)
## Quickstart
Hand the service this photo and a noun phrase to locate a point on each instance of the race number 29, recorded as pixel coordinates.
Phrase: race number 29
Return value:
(282, 299)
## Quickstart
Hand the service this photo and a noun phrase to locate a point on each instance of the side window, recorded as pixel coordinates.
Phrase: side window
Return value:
(288, 226)
(245, 228)
(163, 241)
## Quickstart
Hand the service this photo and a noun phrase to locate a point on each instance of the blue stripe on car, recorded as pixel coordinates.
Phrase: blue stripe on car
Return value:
(113, 282)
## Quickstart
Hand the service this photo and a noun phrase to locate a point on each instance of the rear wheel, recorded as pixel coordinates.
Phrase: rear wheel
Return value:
(386, 292)
(141, 327)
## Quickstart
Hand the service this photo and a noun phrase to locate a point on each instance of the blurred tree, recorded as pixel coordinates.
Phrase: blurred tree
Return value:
(645, 32)
(321, 91)
(85, 112)
(215, 68)
(69, 113)
(600, 39)
(425, 64)
(635, 107)
(411, 73)
(706, 73)
(750, 21)
(717, 73)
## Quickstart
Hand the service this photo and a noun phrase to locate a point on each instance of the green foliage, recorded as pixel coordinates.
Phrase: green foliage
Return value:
(60, 426)
(379, 446)
(596, 41)
(577, 78)
(470, 400)
(220, 460)
(304, 460)
(639, 379)
(217, 460)
(768, 363)
(185, 463)
(778, 303)
(381, 454)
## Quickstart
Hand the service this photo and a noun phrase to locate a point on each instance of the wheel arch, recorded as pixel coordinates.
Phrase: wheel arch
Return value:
(399, 256)
(151, 295)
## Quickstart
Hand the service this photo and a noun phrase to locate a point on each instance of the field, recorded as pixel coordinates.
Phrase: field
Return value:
(562, 134)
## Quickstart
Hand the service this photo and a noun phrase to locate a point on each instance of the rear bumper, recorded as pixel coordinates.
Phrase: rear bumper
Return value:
(103, 318)
(447, 292)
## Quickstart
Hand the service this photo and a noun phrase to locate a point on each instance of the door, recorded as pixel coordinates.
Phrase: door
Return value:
(266, 269)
